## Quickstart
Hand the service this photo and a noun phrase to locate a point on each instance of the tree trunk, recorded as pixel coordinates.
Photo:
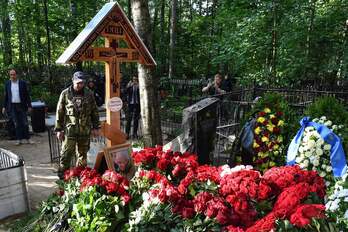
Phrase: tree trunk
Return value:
(162, 39)
(341, 53)
(308, 37)
(173, 20)
(6, 33)
(272, 65)
(154, 26)
(147, 82)
(48, 45)
(129, 10)
(38, 43)
(21, 35)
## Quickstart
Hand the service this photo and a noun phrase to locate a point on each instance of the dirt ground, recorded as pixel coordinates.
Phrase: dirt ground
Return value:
(41, 173)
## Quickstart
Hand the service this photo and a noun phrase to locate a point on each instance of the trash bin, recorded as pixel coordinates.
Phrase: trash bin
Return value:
(38, 116)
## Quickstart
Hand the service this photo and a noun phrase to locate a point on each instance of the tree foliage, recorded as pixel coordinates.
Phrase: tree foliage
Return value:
(277, 42)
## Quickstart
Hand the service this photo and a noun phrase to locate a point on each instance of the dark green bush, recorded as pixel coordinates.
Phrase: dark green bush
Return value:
(329, 107)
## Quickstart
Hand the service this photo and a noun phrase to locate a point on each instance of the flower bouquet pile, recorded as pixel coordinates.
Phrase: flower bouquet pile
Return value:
(314, 153)
(268, 139)
(172, 192)
(86, 201)
(207, 198)
(337, 203)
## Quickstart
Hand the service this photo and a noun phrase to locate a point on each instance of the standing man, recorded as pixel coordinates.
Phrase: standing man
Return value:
(77, 118)
(133, 99)
(17, 103)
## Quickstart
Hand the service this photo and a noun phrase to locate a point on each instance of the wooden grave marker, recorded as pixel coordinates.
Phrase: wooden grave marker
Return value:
(112, 24)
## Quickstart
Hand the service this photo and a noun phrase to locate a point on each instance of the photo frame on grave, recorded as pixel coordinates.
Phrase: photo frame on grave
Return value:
(105, 159)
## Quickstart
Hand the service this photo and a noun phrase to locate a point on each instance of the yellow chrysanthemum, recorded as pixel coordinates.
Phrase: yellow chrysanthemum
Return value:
(281, 123)
(272, 116)
(263, 155)
(275, 147)
(256, 145)
(270, 127)
(257, 130)
(264, 139)
(272, 164)
(280, 139)
(261, 119)
(267, 110)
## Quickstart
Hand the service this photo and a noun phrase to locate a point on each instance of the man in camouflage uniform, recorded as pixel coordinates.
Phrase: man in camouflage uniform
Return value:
(77, 118)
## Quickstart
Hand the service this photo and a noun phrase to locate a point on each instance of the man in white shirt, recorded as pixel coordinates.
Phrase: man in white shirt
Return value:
(17, 103)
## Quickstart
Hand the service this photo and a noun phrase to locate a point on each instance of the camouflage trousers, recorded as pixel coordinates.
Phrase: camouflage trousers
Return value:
(73, 148)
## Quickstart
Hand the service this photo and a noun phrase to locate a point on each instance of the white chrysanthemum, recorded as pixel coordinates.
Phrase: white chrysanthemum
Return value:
(346, 214)
(328, 123)
(322, 174)
(299, 159)
(311, 144)
(328, 168)
(307, 154)
(327, 147)
(316, 163)
(320, 141)
(300, 149)
(303, 166)
(323, 118)
(319, 152)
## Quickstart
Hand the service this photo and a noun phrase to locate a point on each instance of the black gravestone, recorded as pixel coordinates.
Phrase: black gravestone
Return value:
(200, 120)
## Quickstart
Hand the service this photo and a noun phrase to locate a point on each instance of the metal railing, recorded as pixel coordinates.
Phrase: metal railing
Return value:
(9, 160)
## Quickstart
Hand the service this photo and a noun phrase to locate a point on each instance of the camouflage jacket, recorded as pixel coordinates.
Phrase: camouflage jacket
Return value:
(73, 120)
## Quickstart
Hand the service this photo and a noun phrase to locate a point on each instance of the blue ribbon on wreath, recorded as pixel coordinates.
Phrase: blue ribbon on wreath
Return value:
(337, 156)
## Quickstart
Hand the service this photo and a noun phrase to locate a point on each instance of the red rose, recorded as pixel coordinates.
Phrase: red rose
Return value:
(279, 114)
(304, 214)
(261, 114)
(126, 198)
(276, 130)
(187, 212)
(162, 164)
(233, 229)
(274, 121)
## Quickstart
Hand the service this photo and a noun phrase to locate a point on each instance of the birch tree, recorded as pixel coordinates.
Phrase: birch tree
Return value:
(147, 82)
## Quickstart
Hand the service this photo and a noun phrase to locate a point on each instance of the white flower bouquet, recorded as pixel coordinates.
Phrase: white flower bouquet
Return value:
(314, 153)
(337, 203)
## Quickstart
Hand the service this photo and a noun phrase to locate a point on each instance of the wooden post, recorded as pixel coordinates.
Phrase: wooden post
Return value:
(112, 128)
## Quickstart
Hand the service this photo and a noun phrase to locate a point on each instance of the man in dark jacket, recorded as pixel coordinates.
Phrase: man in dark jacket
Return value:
(17, 103)
(133, 99)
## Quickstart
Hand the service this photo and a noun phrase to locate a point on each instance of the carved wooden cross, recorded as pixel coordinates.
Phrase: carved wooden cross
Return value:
(122, 44)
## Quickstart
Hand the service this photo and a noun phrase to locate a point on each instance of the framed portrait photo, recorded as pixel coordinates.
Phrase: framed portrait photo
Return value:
(111, 154)
(106, 158)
